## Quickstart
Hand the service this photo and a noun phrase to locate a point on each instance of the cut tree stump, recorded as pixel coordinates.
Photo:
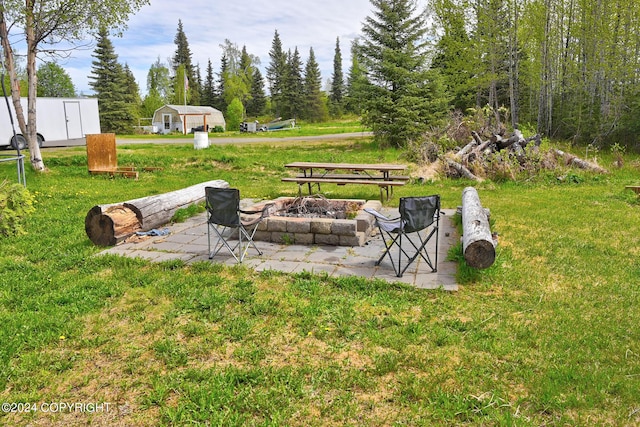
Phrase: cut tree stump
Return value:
(108, 225)
(478, 245)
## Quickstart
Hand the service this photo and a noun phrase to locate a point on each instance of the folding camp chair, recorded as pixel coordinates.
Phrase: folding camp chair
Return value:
(416, 215)
(224, 213)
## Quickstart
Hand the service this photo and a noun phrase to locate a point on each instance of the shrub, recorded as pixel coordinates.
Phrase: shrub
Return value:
(16, 204)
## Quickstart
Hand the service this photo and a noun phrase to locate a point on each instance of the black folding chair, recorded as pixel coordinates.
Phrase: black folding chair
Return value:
(224, 213)
(417, 214)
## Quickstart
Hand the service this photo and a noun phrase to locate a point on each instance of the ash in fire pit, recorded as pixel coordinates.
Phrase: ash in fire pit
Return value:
(319, 207)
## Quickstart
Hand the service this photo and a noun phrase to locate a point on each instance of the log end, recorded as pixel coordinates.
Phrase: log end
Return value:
(111, 226)
(99, 227)
(480, 254)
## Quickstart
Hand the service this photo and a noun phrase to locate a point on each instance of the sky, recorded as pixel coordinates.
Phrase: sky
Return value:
(251, 23)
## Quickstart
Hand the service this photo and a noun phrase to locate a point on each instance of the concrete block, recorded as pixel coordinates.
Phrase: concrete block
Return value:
(303, 238)
(357, 240)
(344, 227)
(262, 236)
(298, 225)
(321, 225)
(276, 224)
(279, 237)
(327, 239)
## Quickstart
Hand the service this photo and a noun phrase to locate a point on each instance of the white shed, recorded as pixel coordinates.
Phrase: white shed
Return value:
(185, 118)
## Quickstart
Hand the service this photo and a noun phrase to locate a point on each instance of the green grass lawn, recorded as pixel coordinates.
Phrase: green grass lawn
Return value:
(548, 335)
(347, 125)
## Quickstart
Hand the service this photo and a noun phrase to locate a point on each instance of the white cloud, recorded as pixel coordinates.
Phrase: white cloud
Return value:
(207, 23)
(303, 24)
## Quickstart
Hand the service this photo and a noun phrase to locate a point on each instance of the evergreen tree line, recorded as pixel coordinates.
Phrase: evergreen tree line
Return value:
(565, 68)
(295, 87)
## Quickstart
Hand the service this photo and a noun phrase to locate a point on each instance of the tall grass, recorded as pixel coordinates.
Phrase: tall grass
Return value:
(547, 336)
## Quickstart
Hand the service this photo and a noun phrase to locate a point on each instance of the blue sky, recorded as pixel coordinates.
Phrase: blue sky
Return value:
(302, 24)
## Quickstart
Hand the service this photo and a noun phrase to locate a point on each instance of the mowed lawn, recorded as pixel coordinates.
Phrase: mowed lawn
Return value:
(549, 335)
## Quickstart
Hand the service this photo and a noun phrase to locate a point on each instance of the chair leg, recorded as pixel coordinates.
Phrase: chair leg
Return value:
(420, 249)
(249, 241)
(221, 242)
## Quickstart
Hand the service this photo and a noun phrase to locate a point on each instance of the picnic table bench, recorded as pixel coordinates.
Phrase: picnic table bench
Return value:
(379, 174)
(634, 188)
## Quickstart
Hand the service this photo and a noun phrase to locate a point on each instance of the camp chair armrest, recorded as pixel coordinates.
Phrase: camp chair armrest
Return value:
(265, 211)
(379, 216)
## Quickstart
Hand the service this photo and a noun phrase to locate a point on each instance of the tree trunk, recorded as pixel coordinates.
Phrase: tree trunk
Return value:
(11, 69)
(478, 246)
(32, 77)
(462, 170)
(466, 149)
(582, 164)
(107, 225)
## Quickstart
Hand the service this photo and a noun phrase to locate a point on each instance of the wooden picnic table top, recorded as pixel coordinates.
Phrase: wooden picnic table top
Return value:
(347, 166)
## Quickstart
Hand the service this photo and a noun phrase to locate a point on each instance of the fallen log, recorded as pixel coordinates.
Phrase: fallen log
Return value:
(513, 139)
(462, 170)
(535, 138)
(466, 149)
(108, 225)
(478, 245)
(570, 159)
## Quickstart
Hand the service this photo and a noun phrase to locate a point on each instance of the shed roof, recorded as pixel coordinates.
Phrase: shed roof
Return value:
(192, 109)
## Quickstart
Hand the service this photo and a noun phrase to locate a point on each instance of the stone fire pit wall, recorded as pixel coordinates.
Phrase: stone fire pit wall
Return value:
(317, 231)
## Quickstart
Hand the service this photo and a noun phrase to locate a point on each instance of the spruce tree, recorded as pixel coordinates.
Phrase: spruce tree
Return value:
(133, 92)
(315, 108)
(258, 101)
(219, 88)
(357, 83)
(292, 91)
(401, 101)
(337, 82)
(276, 73)
(109, 82)
(455, 56)
(182, 56)
(208, 87)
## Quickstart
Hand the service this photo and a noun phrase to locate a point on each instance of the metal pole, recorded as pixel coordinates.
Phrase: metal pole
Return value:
(22, 179)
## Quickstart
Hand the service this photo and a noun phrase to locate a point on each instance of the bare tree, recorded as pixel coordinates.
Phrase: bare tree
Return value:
(53, 28)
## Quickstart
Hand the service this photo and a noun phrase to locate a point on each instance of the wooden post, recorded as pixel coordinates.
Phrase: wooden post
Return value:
(477, 243)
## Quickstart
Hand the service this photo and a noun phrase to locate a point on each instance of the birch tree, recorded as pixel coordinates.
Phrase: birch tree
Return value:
(51, 28)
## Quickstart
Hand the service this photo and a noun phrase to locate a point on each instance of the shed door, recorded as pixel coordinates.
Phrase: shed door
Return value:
(74, 122)
(166, 120)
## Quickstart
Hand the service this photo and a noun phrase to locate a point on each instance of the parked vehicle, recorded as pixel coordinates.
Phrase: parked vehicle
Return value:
(57, 119)
(278, 124)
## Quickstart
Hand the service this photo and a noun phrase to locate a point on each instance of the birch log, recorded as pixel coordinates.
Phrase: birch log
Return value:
(108, 225)
(570, 159)
(478, 246)
(462, 170)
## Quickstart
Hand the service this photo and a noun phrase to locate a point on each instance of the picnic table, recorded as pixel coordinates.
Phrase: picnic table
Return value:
(316, 173)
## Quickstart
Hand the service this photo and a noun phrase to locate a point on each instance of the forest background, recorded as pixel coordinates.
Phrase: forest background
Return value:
(567, 69)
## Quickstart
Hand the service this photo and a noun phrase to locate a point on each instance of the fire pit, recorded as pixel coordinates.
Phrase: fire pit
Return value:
(317, 220)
